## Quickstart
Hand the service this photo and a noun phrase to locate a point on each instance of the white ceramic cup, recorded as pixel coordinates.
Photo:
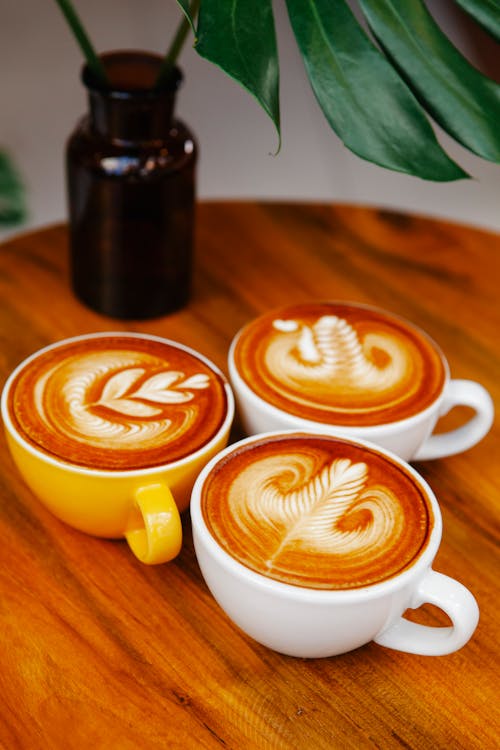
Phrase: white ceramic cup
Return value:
(409, 438)
(307, 622)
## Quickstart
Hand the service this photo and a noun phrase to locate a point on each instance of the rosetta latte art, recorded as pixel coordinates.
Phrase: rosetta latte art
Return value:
(316, 511)
(130, 414)
(334, 512)
(118, 406)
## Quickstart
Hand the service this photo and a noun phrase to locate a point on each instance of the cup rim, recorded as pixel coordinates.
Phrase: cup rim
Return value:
(90, 471)
(237, 380)
(202, 534)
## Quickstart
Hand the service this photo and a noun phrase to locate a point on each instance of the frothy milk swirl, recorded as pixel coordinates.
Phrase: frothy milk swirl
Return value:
(313, 513)
(118, 403)
(330, 354)
(354, 367)
(128, 416)
(302, 507)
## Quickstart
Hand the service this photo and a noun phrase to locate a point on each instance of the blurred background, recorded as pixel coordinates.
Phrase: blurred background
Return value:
(41, 99)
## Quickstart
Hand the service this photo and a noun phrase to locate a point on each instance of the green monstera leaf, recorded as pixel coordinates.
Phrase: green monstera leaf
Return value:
(376, 97)
(239, 36)
(362, 96)
(462, 100)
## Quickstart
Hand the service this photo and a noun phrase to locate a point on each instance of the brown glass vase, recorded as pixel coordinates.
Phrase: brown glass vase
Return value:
(131, 189)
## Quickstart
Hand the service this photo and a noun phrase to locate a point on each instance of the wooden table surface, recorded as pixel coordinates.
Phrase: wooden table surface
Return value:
(99, 651)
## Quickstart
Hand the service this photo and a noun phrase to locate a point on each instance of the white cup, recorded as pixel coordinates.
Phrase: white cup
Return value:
(308, 622)
(410, 438)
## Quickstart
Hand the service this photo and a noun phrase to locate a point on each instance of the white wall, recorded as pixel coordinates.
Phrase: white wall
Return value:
(41, 99)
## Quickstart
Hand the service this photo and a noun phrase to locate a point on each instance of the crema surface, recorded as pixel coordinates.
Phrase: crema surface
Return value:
(117, 402)
(316, 512)
(340, 364)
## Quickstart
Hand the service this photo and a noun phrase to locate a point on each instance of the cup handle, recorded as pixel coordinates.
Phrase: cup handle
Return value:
(450, 596)
(460, 393)
(154, 530)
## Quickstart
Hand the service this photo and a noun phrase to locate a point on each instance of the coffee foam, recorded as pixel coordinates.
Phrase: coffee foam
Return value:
(316, 511)
(117, 402)
(340, 364)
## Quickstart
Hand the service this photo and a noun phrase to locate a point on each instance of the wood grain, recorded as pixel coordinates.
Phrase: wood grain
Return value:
(97, 650)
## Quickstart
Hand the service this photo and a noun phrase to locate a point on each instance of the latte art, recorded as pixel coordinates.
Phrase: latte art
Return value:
(330, 355)
(118, 402)
(333, 512)
(340, 364)
(316, 512)
(122, 393)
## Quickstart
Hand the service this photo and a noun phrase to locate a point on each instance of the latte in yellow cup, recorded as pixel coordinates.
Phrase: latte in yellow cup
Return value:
(110, 431)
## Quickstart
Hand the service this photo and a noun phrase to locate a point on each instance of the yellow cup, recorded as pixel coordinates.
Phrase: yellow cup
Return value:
(141, 505)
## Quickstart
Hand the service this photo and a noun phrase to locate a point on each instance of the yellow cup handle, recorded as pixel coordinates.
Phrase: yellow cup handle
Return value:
(154, 530)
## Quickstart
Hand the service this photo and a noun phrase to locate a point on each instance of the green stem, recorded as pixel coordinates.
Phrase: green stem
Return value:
(83, 40)
(177, 44)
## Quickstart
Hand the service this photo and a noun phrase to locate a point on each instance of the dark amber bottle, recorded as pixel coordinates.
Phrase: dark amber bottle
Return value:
(131, 187)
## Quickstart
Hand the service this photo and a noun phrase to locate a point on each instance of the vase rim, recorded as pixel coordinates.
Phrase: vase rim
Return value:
(138, 66)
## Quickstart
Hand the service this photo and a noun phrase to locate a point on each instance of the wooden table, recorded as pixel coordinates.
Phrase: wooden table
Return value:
(99, 651)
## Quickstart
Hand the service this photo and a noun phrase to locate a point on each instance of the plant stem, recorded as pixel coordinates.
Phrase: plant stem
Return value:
(83, 40)
(177, 44)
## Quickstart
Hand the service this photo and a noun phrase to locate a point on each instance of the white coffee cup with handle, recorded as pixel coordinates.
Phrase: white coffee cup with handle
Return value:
(352, 369)
(315, 545)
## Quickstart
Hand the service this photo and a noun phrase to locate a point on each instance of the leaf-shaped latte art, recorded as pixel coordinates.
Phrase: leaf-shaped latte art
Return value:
(116, 402)
(169, 387)
(136, 407)
(334, 511)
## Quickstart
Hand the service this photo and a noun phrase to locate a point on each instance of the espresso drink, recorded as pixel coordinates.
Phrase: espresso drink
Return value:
(340, 364)
(117, 402)
(316, 511)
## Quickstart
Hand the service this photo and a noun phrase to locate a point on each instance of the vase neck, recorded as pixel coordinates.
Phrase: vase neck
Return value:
(131, 119)
(131, 109)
